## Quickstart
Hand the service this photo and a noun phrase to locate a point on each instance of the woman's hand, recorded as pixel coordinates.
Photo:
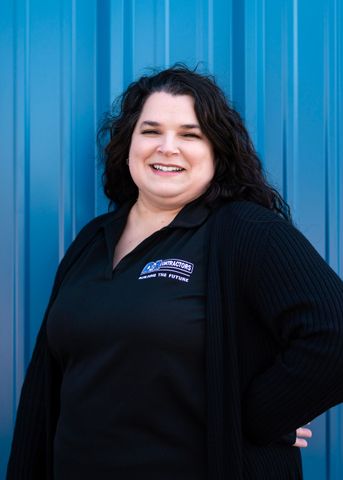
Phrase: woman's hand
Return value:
(302, 434)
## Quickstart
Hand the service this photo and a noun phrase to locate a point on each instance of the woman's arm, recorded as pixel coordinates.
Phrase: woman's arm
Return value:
(300, 299)
(28, 459)
(32, 439)
(30, 445)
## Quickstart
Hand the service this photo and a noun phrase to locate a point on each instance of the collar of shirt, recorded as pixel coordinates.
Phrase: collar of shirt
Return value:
(191, 215)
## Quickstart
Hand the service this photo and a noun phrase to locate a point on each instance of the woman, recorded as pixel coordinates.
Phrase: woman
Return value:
(190, 332)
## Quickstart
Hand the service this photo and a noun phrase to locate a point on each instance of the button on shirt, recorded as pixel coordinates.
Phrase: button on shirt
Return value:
(130, 342)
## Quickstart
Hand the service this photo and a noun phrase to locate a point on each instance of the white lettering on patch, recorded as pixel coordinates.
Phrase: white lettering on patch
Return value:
(176, 269)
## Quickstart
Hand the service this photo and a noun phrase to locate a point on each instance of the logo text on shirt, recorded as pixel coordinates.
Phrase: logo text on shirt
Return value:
(173, 268)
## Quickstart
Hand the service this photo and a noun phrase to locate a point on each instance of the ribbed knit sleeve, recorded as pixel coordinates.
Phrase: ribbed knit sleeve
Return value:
(30, 457)
(300, 299)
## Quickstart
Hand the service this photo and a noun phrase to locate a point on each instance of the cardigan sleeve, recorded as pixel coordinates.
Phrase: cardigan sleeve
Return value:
(29, 456)
(300, 298)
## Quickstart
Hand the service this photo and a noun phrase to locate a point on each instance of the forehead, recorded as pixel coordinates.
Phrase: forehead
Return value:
(163, 105)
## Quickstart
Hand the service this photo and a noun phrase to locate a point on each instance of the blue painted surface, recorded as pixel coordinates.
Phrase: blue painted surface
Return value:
(63, 62)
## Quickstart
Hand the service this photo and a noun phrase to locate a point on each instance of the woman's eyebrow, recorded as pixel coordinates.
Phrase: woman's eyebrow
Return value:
(190, 125)
(152, 123)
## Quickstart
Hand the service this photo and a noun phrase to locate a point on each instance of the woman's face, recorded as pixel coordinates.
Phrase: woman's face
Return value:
(170, 159)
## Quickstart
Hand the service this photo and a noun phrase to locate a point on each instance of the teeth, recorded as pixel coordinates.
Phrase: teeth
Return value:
(164, 168)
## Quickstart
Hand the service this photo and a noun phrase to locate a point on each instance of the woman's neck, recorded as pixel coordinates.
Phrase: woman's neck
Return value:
(151, 214)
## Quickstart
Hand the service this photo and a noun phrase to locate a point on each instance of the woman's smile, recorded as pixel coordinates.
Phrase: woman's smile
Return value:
(166, 170)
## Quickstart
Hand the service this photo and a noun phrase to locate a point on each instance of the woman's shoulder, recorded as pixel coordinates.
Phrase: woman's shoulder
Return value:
(247, 212)
(249, 225)
(95, 224)
(87, 233)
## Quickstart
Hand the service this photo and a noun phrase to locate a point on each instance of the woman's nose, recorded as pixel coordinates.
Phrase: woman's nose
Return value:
(168, 145)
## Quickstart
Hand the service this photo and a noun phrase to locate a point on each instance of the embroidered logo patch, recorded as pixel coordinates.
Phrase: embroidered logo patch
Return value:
(173, 268)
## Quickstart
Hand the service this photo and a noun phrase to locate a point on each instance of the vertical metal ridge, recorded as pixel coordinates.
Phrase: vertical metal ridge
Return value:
(95, 102)
(210, 35)
(72, 117)
(295, 77)
(159, 34)
(201, 46)
(338, 16)
(284, 158)
(116, 49)
(261, 79)
(27, 101)
(251, 68)
(237, 51)
(21, 210)
(155, 20)
(61, 213)
(232, 50)
(167, 33)
(337, 88)
(8, 257)
(327, 443)
(103, 76)
(132, 39)
(128, 42)
(66, 127)
(15, 298)
(326, 73)
(284, 101)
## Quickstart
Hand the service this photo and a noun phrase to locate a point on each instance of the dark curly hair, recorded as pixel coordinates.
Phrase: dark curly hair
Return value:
(238, 170)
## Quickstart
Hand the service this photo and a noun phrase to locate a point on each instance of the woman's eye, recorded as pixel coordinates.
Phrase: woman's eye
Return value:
(150, 131)
(191, 135)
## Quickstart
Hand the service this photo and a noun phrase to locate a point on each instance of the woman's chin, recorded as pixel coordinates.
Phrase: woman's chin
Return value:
(166, 196)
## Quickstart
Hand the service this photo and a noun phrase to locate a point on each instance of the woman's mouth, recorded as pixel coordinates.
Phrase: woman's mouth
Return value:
(165, 169)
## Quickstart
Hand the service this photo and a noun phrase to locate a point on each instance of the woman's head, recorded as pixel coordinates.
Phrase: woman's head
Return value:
(170, 159)
(237, 170)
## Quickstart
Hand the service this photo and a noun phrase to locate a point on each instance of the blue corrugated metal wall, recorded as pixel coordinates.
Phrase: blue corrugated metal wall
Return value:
(63, 61)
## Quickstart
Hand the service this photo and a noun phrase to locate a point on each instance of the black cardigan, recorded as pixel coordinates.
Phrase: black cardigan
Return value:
(274, 349)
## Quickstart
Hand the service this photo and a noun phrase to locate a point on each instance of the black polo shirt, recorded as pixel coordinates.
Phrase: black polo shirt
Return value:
(131, 345)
